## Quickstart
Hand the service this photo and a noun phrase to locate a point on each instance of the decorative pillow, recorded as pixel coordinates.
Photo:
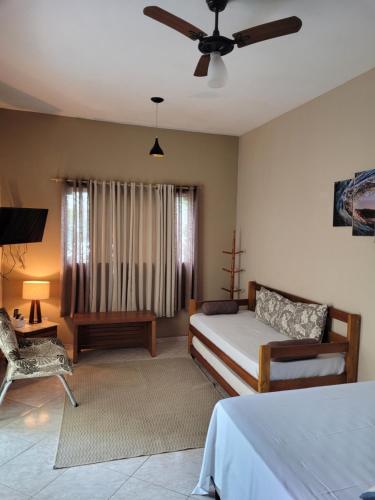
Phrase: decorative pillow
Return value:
(8, 339)
(302, 321)
(285, 319)
(268, 307)
(220, 307)
(294, 342)
(369, 494)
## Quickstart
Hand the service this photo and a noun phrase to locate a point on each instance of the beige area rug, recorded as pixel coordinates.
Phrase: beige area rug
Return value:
(135, 408)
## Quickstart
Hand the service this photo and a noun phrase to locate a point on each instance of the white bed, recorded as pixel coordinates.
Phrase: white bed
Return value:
(240, 335)
(305, 444)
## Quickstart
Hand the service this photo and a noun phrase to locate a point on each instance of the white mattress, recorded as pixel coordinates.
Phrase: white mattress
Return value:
(293, 445)
(240, 335)
(232, 378)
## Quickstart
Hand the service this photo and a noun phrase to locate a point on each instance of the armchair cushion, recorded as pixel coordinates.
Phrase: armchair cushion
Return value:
(40, 358)
(8, 339)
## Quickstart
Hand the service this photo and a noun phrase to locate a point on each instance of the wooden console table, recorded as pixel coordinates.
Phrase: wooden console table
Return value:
(108, 330)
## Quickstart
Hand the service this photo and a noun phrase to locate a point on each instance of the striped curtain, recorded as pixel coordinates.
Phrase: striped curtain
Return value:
(132, 247)
(186, 246)
(128, 247)
(75, 249)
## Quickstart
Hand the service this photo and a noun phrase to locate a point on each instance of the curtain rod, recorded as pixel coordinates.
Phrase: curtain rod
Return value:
(86, 181)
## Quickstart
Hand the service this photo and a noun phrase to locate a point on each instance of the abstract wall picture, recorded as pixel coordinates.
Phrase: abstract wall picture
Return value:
(364, 204)
(343, 203)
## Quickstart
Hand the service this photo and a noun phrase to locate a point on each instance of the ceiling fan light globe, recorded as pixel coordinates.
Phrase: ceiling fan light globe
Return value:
(217, 71)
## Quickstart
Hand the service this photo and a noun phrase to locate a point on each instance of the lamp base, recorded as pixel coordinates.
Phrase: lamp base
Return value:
(35, 312)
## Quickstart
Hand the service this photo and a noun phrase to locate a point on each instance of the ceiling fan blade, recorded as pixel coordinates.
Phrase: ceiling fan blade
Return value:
(174, 22)
(202, 66)
(267, 31)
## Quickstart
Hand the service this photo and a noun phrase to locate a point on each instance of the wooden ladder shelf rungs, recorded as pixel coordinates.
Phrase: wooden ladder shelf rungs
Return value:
(232, 270)
(234, 291)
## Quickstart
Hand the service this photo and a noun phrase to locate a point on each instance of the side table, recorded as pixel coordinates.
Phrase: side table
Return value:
(38, 330)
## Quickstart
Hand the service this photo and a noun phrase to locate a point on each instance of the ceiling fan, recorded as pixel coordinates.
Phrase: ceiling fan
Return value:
(215, 46)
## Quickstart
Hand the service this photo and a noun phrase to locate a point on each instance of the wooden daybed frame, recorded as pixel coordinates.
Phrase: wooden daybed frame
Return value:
(332, 343)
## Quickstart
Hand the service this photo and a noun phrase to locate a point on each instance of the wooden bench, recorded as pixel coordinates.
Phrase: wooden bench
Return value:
(108, 330)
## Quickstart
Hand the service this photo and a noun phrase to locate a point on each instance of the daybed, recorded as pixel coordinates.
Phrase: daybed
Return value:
(315, 443)
(233, 348)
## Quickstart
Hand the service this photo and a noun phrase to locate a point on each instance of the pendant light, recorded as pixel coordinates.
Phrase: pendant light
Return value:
(156, 150)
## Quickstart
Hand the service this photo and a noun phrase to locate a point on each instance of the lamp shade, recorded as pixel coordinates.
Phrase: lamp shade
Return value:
(35, 290)
(156, 150)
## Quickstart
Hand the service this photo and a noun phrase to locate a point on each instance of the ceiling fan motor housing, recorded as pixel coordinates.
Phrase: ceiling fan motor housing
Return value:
(216, 43)
(217, 5)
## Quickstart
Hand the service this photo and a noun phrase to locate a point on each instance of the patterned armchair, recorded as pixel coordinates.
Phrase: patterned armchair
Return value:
(32, 358)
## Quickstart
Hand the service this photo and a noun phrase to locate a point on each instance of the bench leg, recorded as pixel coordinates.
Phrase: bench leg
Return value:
(152, 338)
(190, 340)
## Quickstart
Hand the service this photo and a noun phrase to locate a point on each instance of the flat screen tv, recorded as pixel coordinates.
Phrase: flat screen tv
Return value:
(22, 225)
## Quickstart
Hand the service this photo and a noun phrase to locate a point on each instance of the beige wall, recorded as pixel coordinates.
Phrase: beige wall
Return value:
(285, 201)
(35, 147)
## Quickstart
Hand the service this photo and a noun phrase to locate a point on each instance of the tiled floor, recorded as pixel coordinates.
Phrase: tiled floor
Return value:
(30, 420)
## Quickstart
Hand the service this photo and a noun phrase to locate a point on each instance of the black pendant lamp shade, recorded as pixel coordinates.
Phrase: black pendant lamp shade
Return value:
(156, 150)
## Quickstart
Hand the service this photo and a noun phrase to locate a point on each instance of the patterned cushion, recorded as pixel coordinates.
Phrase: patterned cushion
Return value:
(40, 358)
(285, 320)
(268, 307)
(302, 321)
(8, 339)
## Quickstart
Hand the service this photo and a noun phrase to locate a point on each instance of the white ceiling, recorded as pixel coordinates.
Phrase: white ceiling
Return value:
(103, 60)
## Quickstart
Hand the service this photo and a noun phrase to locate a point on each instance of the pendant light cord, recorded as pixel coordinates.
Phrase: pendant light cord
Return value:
(156, 118)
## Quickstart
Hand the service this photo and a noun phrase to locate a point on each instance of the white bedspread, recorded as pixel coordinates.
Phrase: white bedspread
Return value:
(240, 335)
(305, 444)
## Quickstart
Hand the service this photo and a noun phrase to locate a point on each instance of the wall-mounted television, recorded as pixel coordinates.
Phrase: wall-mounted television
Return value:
(22, 225)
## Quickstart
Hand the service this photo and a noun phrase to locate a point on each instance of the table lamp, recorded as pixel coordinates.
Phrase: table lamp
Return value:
(35, 291)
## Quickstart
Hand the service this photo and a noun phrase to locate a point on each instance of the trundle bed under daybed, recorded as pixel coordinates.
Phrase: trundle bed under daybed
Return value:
(233, 348)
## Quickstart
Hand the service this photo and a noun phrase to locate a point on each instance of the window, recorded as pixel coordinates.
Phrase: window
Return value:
(77, 209)
(182, 210)
(140, 241)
